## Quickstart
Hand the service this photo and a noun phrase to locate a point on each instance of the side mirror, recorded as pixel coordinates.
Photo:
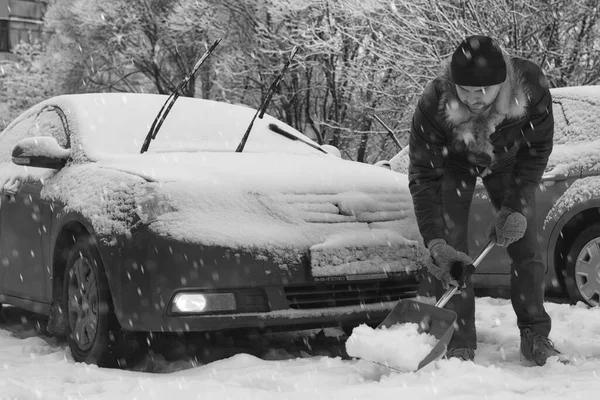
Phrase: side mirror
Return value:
(40, 152)
(383, 164)
(332, 150)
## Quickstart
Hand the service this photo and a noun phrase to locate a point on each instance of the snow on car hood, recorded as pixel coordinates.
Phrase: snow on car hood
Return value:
(351, 217)
(318, 173)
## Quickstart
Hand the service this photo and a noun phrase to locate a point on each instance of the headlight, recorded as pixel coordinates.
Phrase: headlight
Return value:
(195, 303)
(152, 207)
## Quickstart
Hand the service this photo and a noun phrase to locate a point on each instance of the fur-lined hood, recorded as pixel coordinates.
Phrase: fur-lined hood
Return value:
(473, 131)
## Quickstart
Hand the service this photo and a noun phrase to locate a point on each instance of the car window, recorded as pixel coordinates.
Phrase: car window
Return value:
(575, 119)
(45, 122)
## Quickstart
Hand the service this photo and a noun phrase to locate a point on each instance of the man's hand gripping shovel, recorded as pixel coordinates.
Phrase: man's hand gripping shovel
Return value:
(433, 319)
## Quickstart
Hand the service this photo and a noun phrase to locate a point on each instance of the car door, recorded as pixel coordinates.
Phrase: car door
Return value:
(24, 230)
(494, 270)
(24, 256)
(575, 122)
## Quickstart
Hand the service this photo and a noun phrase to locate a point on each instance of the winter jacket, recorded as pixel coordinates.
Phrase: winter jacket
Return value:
(519, 128)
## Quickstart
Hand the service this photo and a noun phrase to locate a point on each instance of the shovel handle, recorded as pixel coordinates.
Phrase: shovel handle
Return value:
(452, 291)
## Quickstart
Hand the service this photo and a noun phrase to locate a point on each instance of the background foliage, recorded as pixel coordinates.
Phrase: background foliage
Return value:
(356, 58)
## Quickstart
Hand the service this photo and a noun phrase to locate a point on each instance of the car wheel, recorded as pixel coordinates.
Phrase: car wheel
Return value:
(582, 269)
(91, 322)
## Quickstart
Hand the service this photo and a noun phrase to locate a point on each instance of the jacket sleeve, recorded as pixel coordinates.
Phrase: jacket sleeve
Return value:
(427, 145)
(533, 154)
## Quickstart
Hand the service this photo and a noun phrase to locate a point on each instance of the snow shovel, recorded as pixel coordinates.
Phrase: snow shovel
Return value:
(434, 320)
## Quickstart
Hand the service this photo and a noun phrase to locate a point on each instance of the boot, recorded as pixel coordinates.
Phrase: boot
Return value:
(462, 353)
(536, 347)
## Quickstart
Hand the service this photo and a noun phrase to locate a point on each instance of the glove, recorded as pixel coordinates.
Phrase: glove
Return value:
(445, 259)
(508, 227)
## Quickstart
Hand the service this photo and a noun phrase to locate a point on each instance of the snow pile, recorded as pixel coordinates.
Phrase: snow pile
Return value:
(581, 191)
(400, 345)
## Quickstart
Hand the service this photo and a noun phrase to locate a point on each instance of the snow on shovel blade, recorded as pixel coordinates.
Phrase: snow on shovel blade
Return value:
(430, 319)
(433, 319)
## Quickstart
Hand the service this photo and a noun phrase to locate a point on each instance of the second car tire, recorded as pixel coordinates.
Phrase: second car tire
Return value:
(585, 250)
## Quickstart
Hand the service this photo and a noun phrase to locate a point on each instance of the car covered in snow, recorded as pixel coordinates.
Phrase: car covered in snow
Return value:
(192, 234)
(567, 201)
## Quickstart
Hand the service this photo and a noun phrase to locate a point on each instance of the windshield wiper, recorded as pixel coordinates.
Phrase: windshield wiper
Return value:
(162, 114)
(263, 107)
(391, 132)
(275, 128)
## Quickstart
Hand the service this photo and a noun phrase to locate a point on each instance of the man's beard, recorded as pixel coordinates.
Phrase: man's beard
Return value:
(480, 109)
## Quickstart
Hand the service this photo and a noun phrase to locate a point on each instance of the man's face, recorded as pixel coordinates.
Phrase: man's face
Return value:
(477, 98)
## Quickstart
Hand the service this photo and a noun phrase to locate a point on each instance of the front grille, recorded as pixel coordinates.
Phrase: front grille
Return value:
(339, 294)
(251, 300)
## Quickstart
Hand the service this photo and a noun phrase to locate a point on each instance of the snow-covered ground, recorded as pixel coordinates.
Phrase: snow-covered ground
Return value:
(296, 365)
(33, 366)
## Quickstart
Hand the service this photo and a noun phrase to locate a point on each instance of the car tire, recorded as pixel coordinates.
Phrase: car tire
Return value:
(92, 327)
(582, 267)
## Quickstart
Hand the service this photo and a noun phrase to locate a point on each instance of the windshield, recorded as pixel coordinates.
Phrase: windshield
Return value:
(110, 124)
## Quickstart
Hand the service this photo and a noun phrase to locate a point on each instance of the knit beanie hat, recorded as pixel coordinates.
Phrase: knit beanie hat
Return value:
(478, 61)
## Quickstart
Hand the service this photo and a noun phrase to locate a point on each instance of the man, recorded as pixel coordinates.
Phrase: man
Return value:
(487, 115)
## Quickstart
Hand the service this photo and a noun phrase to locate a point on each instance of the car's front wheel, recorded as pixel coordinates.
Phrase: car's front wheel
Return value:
(91, 322)
(582, 268)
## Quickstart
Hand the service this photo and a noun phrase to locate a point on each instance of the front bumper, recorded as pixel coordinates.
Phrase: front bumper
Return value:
(146, 272)
(290, 319)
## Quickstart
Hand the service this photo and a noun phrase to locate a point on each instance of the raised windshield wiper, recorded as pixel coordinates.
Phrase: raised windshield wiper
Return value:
(390, 131)
(263, 107)
(164, 111)
(275, 128)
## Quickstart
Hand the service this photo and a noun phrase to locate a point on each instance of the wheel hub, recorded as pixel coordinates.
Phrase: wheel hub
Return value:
(83, 297)
(587, 272)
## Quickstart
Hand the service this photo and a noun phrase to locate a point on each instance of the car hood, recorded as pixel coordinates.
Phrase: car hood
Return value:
(319, 173)
(346, 217)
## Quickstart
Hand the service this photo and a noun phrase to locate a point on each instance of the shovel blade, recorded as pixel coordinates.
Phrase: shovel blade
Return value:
(433, 320)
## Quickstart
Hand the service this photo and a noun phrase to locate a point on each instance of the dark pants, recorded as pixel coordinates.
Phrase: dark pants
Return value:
(527, 269)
